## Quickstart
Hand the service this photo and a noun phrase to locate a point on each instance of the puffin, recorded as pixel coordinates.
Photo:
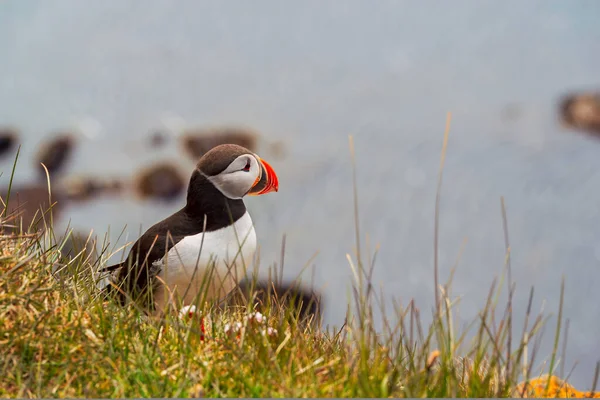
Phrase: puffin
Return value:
(204, 249)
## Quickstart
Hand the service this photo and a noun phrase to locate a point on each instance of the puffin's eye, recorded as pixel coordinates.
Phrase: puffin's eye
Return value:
(247, 167)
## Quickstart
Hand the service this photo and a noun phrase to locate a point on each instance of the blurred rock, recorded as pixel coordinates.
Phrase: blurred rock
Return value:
(30, 204)
(197, 142)
(158, 139)
(55, 154)
(161, 181)
(114, 185)
(284, 294)
(81, 189)
(79, 242)
(581, 111)
(86, 188)
(8, 140)
(277, 149)
(78, 257)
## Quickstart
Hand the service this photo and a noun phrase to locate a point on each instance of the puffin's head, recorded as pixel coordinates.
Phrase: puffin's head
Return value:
(235, 171)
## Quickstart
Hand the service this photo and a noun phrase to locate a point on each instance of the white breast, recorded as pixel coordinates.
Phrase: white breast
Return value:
(187, 267)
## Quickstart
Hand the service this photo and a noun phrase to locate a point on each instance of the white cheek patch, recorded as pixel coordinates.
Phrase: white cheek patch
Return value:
(235, 183)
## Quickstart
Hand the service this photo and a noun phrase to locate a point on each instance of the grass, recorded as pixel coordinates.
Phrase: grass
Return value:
(60, 338)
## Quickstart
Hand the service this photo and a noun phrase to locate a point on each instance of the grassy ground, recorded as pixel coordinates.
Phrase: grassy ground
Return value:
(59, 338)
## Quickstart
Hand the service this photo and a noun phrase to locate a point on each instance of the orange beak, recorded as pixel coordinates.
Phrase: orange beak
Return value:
(267, 180)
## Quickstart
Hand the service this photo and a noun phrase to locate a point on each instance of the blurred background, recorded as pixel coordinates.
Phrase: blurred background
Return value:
(129, 79)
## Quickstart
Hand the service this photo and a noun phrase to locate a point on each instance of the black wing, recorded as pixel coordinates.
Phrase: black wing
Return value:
(136, 273)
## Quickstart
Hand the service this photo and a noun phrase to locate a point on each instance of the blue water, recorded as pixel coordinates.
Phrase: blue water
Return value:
(311, 73)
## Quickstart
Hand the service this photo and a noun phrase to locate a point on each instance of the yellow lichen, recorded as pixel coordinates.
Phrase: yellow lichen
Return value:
(557, 388)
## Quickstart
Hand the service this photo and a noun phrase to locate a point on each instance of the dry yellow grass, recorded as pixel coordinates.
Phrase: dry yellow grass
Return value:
(60, 338)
